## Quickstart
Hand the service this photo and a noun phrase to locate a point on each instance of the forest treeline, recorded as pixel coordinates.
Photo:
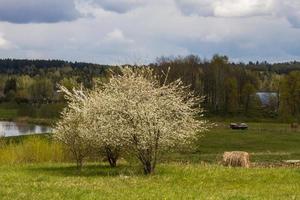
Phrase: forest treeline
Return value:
(35, 81)
(255, 89)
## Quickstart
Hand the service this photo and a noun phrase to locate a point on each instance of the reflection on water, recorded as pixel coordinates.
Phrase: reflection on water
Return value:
(8, 129)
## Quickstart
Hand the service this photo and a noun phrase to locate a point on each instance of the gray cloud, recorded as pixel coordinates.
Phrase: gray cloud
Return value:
(194, 7)
(37, 11)
(288, 9)
(291, 10)
(226, 8)
(155, 28)
(119, 6)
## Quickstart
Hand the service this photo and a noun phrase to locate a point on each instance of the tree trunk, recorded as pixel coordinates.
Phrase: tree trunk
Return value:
(149, 162)
(78, 157)
(148, 168)
(112, 161)
(79, 163)
(112, 156)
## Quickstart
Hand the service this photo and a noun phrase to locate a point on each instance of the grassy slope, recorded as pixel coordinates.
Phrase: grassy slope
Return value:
(265, 141)
(173, 181)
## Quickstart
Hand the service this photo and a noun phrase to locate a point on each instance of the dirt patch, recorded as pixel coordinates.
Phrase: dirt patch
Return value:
(276, 165)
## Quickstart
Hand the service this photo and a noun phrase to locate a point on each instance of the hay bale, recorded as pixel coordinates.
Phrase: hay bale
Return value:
(236, 159)
(294, 125)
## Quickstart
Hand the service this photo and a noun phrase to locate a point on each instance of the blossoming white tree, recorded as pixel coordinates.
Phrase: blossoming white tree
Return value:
(133, 110)
(70, 130)
(103, 124)
(86, 125)
(151, 116)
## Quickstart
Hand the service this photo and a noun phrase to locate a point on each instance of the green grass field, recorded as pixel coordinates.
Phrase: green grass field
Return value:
(267, 142)
(44, 114)
(172, 181)
(188, 174)
(8, 113)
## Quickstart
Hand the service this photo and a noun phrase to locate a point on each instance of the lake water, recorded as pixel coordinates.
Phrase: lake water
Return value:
(8, 129)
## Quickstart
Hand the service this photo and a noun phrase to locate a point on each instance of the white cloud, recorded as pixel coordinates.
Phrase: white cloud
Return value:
(117, 36)
(242, 8)
(5, 44)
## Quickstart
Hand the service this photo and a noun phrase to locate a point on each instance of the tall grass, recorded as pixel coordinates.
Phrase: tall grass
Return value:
(32, 150)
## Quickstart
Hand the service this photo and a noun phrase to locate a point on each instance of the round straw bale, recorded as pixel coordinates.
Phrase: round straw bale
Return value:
(236, 159)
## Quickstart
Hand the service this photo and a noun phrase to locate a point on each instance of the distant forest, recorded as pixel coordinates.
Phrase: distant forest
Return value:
(230, 89)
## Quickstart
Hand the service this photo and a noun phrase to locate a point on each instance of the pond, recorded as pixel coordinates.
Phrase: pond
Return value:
(9, 129)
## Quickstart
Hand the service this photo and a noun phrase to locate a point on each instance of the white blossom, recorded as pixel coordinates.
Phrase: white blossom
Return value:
(134, 111)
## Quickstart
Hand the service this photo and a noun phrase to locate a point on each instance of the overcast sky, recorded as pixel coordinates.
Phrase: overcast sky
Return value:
(126, 31)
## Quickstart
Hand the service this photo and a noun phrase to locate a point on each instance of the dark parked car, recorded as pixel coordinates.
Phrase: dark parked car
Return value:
(241, 126)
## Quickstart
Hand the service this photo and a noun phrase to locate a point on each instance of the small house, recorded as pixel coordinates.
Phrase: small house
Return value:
(268, 98)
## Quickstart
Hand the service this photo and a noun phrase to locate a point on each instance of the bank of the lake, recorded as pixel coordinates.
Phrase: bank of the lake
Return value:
(13, 129)
(40, 114)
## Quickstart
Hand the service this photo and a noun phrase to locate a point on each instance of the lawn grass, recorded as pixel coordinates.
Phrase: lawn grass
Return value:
(43, 114)
(267, 142)
(172, 181)
(181, 175)
(8, 113)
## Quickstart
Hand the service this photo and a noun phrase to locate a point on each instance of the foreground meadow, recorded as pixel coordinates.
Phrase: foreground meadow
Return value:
(172, 181)
(37, 168)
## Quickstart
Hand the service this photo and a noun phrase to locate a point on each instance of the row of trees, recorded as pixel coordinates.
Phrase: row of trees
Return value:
(32, 89)
(229, 88)
(36, 80)
(132, 113)
(290, 94)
